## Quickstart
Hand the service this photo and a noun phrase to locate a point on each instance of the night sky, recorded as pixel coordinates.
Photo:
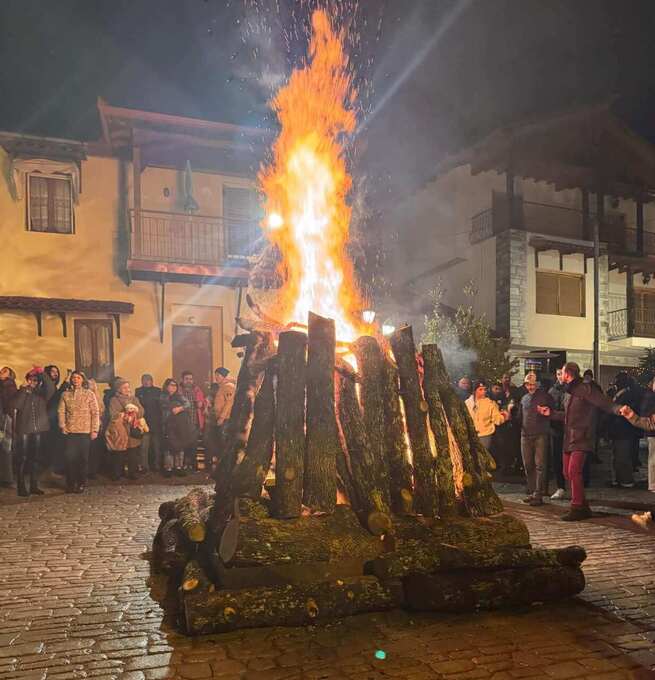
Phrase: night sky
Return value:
(434, 74)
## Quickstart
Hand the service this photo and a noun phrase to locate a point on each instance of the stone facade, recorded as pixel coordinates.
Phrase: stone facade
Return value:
(511, 284)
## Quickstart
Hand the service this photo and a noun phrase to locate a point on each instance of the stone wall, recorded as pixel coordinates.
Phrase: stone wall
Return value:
(511, 284)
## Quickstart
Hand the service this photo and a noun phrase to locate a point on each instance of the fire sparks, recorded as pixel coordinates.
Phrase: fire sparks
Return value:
(307, 183)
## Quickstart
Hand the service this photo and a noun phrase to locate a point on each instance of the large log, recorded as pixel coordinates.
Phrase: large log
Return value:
(194, 578)
(370, 367)
(322, 446)
(249, 474)
(400, 468)
(290, 424)
(481, 499)
(371, 497)
(188, 510)
(309, 538)
(300, 605)
(473, 589)
(170, 548)
(445, 464)
(426, 498)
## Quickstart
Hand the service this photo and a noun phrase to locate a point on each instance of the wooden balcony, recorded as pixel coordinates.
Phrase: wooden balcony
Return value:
(631, 323)
(183, 247)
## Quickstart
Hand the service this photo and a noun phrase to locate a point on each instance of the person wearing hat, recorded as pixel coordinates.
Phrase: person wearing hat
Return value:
(485, 413)
(535, 433)
(31, 425)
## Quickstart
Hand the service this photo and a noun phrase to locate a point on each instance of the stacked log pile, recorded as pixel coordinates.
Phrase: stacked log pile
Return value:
(382, 495)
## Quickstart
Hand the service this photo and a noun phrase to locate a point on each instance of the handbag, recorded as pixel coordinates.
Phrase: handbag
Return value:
(136, 433)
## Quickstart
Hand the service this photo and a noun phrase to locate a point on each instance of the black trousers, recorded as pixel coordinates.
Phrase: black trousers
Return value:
(118, 460)
(556, 447)
(76, 455)
(29, 451)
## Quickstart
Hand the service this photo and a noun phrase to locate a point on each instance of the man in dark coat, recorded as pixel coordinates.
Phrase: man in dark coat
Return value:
(150, 397)
(558, 393)
(579, 418)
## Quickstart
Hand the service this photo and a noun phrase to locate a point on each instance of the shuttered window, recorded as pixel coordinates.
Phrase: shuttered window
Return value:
(560, 293)
(94, 349)
(50, 204)
(241, 214)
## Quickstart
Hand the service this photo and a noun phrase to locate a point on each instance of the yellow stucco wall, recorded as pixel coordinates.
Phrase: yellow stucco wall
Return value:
(85, 265)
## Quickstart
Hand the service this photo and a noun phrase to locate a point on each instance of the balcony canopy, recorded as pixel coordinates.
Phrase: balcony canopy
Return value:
(171, 141)
(588, 148)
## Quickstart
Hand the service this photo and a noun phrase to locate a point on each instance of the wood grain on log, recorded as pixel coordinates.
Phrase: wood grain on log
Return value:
(370, 496)
(322, 446)
(188, 509)
(400, 468)
(426, 497)
(439, 424)
(171, 547)
(195, 578)
(249, 473)
(290, 424)
(225, 610)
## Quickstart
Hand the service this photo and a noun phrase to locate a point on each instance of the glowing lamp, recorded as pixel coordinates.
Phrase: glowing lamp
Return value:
(368, 315)
(275, 221)
(388, 328)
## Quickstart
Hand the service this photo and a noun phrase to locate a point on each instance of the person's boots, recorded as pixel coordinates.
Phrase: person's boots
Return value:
(577, 513)
(20, 478)
(70, 478)
(34, 484)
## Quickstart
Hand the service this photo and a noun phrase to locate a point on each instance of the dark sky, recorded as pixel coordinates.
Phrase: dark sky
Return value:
(435, 74)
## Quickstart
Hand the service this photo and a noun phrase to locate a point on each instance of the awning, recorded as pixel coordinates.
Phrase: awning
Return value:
(62, 306)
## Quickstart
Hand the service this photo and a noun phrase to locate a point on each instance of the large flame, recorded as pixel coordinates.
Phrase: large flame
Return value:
(307, 183)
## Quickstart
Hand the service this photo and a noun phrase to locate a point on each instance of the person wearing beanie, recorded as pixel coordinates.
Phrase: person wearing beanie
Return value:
(31, 426)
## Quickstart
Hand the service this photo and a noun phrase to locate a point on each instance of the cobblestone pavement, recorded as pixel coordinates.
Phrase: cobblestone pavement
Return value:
(77, 601)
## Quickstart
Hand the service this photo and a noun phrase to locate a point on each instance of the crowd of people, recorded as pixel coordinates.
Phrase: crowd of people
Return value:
(553, 428)
(66, 426)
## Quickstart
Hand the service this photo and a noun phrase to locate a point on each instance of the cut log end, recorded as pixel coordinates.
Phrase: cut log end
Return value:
(379, 523)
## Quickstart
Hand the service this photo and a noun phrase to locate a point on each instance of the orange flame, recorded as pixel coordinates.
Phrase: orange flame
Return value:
(307, 183)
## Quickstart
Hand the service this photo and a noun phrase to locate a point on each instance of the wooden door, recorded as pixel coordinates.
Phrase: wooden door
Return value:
(192, 351)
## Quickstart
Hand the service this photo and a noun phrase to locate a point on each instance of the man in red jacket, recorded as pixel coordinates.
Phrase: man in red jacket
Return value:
(194, 394)
(579, 416)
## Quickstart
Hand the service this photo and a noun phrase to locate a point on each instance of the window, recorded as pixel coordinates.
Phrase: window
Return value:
(241, 213)
(94, 349)
(560, 293)
(50, 204)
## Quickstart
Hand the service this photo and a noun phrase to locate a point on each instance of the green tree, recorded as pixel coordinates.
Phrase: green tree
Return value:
(467, 341)
(646, 369)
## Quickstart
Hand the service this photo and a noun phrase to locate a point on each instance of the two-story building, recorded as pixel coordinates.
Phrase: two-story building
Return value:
(127, 255)
(515, 215)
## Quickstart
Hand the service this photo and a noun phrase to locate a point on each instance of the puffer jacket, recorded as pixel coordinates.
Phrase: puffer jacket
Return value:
(117, 405)
(32, 416)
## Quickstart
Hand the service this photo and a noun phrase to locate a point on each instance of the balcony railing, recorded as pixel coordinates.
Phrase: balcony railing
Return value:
(631, 323)
(553, 220)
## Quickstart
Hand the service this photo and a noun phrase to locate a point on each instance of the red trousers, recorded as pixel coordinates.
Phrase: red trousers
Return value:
(573, 463)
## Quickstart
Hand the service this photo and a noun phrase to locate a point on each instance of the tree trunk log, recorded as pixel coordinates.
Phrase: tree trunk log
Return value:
(290, 424)
(370, 366)
(400, 468)
(333, 537)
(322, 446)
(481, 499)
(167, 511)
(370, 496)
(439, 425)
(188, 509)
(426, 498)
(225, 610)
(250, 473)
(195, 579)
(471, 589)
(171, 547)
(258, 350)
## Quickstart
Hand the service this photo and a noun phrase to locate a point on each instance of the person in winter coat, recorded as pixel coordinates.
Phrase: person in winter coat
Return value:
(122, 397)
(178, 427)
(223, 391)
(579, 417)
(485, 413)
(124, 427)
(54, 444)
(535, 434)
(97, 452)
(194, 395)
(8, 391)
(150, 397)
(647, 410)
(31, 426)
(79, 421)
(557, 393)
(621, 433)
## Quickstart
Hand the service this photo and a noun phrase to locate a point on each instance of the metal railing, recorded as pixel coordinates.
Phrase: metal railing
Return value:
(617, 326)
(644, 322)
(638, 322)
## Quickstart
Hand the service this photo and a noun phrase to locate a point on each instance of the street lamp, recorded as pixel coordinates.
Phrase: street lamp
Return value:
(387, 327)
(368, 315)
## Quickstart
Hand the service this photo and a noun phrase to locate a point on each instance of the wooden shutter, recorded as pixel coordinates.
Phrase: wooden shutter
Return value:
(571, 295)
(547, 290)
(241, 215)
(50, 204)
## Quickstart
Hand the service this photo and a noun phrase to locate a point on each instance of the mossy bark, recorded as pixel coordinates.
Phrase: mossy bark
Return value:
(473, 589)
(401, 485)
(249, 473)
(194, 579)
(438, 423)
(225, 610)
(322, 446)
(371, 497)
(426, 498)
(170, 548)
(290, 424)
(370, 366)
(188, 510)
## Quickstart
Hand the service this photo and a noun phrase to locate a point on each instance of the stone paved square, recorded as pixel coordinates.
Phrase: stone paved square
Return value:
(78, 601)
